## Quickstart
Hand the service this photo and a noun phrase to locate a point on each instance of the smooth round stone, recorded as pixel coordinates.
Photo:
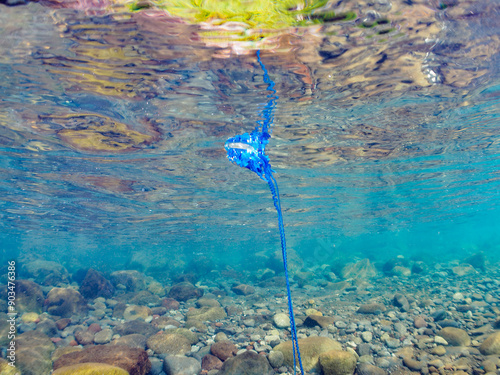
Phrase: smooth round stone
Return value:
(367, 336)
(276, 359)
(419, 322)
(281, 320)
(104, 336)
(439, 350)
(340, 324)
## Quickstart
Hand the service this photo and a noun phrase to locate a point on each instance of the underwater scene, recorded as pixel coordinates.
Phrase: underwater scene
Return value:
(250, 187)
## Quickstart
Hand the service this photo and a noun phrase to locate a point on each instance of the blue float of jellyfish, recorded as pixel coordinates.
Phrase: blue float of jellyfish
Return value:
(248, 151)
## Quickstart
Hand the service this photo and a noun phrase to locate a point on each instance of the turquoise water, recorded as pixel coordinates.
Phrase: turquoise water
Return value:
(112, 132)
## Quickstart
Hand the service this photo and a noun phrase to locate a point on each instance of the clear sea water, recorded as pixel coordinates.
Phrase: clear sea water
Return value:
(386, 139)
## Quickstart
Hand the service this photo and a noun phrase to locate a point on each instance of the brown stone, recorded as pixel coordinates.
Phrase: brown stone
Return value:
(243, 289)
(94, 328)
(135, 361)
(170, 304)
(84, 337)
(62, 323)
(419, 322)
(318, 320)
(96, 285)
(223, 349)
(184, 291)
(211, 362)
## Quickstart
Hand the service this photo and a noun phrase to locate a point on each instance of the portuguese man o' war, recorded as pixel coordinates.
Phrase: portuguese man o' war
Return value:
(248, 151)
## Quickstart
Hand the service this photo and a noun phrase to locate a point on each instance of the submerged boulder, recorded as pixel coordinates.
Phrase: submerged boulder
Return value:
(134, 361)
(130, 280)
(337, 362)
(184, 291)
(33, 352)
(174, 344)
(247, 363)
(491, 346)
(65, 302)
(46, 272)
(96, 285)
(29, 296)
(455, 336)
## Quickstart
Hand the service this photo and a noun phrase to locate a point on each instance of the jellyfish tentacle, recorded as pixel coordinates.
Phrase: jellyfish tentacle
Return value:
(248, 151)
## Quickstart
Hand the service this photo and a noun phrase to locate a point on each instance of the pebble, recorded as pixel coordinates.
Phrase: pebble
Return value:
(440, 340)
(439, 350)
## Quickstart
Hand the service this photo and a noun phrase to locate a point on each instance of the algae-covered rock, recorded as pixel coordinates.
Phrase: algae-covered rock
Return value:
(173, 344)
(131, 280)
(205, 314)
(7, 369)
(337, 362)
(65, 302)
(310, 350)
(90, 368)
(136, 312)
(33, 353)
(47, 272)
(29, 296)
(190, 335)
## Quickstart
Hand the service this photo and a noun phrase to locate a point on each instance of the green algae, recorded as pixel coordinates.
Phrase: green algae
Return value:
(256, 14)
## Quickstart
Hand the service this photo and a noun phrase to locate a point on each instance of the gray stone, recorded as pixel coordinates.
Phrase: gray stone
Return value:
(438, 315)
(104, 336)
(367, 336)
(363, 349)
(181, 365)
(401, 301)
(371, 308)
